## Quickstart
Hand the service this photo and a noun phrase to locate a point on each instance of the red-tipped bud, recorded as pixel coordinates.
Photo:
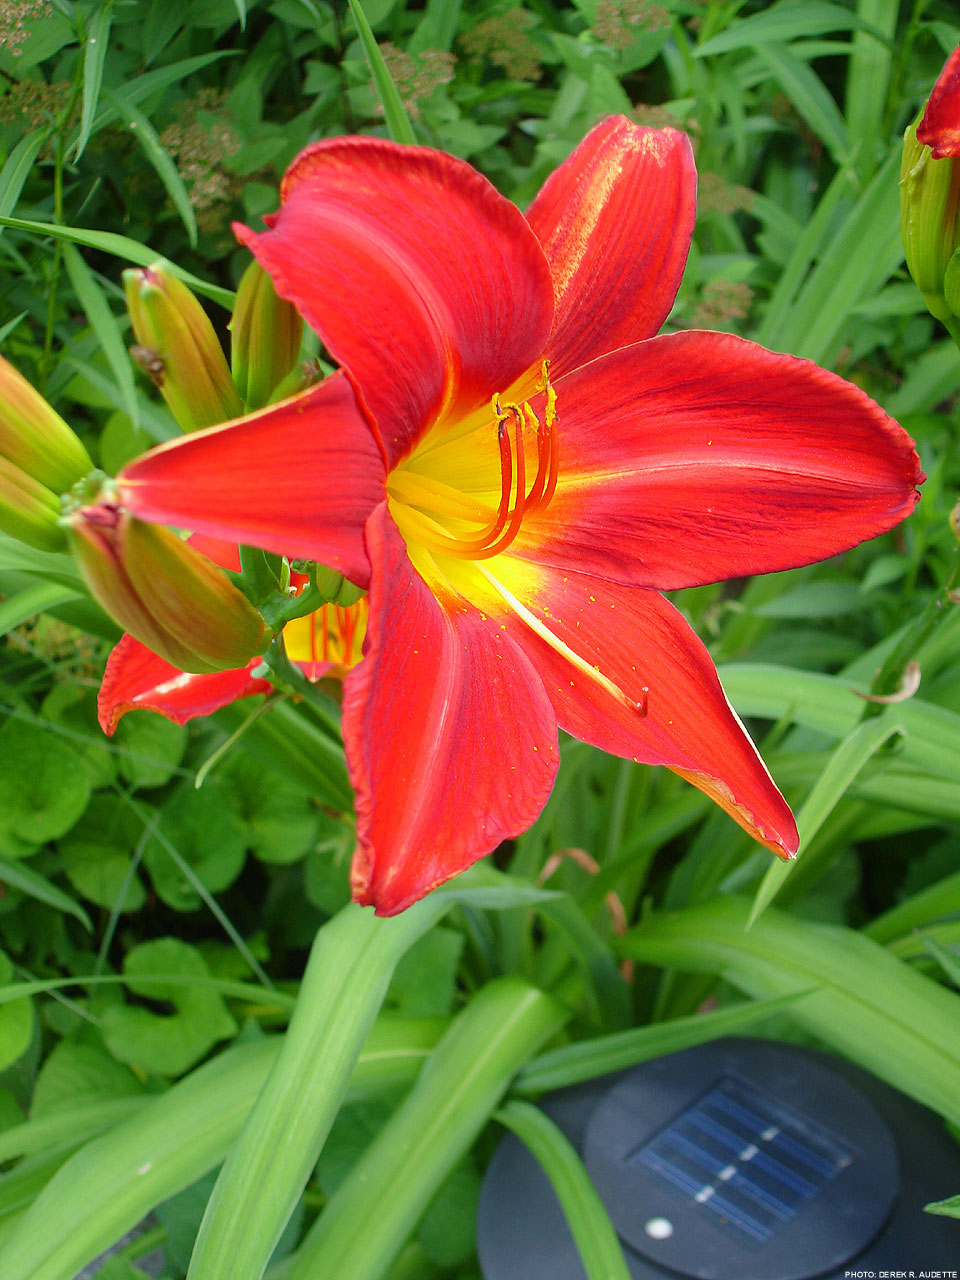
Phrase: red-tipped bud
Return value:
(929, 220)
(940, 127)
(33, 436)
(178, 348)
(265, 334)
(168, 596)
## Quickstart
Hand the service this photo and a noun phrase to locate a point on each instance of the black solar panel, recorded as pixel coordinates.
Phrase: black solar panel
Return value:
(745, 1157)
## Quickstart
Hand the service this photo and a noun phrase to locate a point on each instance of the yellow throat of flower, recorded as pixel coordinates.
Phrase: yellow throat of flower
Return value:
(332, 634)
(442, 497)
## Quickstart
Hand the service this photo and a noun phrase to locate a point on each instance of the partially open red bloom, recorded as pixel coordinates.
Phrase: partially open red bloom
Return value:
(516, 467)
(326, 642)
(940, 127)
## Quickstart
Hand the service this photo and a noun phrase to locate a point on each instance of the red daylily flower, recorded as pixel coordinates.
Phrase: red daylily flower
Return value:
(515, 524)
(940, 127)
(326, 642)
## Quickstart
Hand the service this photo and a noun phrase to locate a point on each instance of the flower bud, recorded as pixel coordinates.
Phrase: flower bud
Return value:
(929, 219)
(33, 436)
(168, 595)
(334, 587)
(178, 348)
(265, 336)
(29, 510)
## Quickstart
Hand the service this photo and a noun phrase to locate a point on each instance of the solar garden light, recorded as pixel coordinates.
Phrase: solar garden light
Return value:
(736, 1160)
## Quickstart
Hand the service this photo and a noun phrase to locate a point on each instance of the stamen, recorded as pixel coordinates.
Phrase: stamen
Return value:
(418, 499)
(564, 650)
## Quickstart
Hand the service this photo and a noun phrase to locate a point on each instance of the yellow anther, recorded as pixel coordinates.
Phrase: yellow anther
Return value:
(545, 385)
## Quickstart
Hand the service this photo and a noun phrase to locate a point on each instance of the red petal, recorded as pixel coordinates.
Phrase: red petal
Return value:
(225, 554)
(299, 478)
(698, 456)
(639, 642)
(615, 222)
(451, 741)
(422, 281)
(940, 126)
(135, 679)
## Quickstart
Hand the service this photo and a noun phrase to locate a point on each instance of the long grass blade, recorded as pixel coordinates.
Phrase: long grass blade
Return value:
(597, 1241)
(394, 1180)
(398, 122)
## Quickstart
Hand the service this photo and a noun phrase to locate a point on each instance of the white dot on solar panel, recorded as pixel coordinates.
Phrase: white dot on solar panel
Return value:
(659, 1228)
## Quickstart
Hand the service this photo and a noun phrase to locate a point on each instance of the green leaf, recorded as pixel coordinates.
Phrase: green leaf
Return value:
(424, 981)
(16, 1020)
(448, 1228)
(153, 149)
(430, 1132)
(879, 1011)
(171, 1141)
(398, 122)
(17, 168)
(868, 75)
(779, 24)
(96, 855)
(19, 876)
(94, 56)
(278, 821)
(949, 1208)
(166, 1044)
(26, 604)
(587, 1059)
(837, 777)
(197, 833)
(807, 92)
(588, 1220)
(42, 794)
(150, 748)
(350, 966)
(76, 1073)
(120, 247)
(105, 326)
(860, 257)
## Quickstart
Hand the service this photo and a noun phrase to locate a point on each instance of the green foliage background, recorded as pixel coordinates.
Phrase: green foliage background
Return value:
(154, 935)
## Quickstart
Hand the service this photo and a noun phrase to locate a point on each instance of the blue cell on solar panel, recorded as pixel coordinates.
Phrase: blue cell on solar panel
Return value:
(744, 1156)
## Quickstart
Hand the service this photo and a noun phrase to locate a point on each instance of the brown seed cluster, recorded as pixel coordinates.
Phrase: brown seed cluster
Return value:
(618, 21)
(504, 40)
(721, 302)
(15, 15)
(716, 195)
(199, 139)
(416, 77)
(71, 654)
(34, 104)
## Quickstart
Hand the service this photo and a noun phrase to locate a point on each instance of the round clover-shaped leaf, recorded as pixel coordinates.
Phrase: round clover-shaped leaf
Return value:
(76, 1072)
(150, 748)
(202, 829)
(74, 708)
(42, 792)
(278, 819)
(160, 1043)
(96, 854)
(16, 1020)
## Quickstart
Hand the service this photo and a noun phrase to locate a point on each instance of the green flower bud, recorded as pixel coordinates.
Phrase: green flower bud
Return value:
(33, 436)
(178, 348)
(265, 336)
(929, 219)
(165, 593)
(29, 510)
